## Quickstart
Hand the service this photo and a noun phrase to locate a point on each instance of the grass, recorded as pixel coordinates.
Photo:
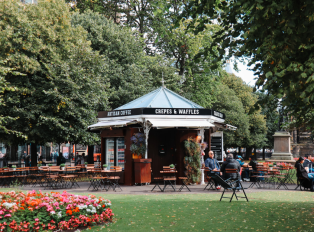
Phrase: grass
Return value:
(266, 211)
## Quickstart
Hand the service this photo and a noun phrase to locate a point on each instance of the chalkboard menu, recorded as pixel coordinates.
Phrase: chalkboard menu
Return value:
(216, 147)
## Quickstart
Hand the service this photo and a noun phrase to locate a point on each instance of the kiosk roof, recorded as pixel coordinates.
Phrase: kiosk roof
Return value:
(160, 98)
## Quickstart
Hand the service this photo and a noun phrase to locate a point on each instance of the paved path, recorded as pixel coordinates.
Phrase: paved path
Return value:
(146, 189)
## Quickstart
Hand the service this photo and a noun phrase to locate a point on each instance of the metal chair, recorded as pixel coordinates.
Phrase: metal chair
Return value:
(230, 185)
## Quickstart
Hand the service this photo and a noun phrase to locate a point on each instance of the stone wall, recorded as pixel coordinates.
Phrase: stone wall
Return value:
(302, 149)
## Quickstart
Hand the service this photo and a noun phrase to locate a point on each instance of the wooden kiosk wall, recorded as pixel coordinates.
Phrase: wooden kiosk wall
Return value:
(172, 139)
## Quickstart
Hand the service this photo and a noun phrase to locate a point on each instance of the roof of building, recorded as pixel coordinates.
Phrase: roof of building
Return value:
(160, 98)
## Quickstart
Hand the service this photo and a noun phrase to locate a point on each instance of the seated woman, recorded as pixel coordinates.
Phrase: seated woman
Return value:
(302, 173)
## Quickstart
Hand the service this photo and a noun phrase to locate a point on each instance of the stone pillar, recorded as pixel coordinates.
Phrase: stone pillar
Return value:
(282, 146)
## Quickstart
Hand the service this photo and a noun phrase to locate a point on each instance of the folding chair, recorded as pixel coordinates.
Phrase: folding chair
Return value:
(93, 175)
(210, 182)
(113, 180)
(231, 185)
(184, 179)
(158, 181)
(5, 177)
(69, 179)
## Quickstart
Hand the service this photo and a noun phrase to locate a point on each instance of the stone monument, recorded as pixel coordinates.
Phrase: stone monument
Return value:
(282, 146)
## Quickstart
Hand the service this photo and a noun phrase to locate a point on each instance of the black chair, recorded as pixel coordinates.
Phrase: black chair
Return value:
(230, 185)
(304, 183)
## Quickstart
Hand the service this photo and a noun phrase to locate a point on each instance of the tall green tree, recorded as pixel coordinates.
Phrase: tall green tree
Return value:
(132, 73)
(135, 14)
(237, 101)
(277, 38)
(4, 86)
(62, 86)
(269, 105)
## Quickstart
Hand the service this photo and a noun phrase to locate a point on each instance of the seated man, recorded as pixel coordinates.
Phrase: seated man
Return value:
(212, 164)
(230, 163)
(308, 163)
(253, 165)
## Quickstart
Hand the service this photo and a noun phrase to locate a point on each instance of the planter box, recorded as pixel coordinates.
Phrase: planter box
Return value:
(142, 169)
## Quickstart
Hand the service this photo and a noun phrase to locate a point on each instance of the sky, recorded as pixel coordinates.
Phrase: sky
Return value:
(245, 74)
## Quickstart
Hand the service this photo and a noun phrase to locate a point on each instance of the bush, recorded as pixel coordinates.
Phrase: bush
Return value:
(193, 160)
(37, 211)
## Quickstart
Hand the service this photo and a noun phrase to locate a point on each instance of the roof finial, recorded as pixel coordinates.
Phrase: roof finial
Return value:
(162, 80)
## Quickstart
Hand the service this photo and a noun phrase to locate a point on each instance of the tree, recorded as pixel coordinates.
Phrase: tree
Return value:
(269, 105)
(4, 86)
(237, 101)
(135, 14)
(131, 72)
(277, 38)
(62, 86)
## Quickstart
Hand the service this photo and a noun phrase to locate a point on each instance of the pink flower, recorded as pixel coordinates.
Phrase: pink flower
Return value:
(36, 220)
(7, 215)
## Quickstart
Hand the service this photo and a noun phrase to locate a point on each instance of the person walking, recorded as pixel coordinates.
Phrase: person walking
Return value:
(55, 156)
(5, 160)
(26, 158)
(1, 159)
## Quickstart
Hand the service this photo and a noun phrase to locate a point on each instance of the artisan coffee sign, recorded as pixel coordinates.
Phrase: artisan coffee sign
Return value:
(117, 113)
(160, 111)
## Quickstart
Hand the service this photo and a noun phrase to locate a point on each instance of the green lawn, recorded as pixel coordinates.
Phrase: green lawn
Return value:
(266, 211)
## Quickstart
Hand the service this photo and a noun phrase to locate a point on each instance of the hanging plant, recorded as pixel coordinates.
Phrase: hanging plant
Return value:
(192, 160)
(138, 146)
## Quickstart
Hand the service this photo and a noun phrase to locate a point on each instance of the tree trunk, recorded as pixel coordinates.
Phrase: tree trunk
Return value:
(90, 157)
(34, 154)
(255, 153)
(248, 153)
(263, 153)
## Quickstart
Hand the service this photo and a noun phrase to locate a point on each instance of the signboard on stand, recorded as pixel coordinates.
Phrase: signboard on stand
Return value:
(216, 143)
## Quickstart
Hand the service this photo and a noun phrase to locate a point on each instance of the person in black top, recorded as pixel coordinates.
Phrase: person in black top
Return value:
(253, 163)
(302, 173)
(59, 159)
(230, 163)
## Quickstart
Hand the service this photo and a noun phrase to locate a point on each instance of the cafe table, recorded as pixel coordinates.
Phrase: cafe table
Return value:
(169, 178)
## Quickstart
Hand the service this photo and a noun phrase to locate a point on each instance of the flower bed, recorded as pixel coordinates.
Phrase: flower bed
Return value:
(37, 211)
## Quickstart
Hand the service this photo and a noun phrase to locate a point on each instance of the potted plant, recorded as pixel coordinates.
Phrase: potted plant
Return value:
(171, 166)
(49, 165)
(14, 167)
(39, 165)
(270, 167)
(275, 164)
(62, 166)
(105, 166)
(86, 164)
(138, 145)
